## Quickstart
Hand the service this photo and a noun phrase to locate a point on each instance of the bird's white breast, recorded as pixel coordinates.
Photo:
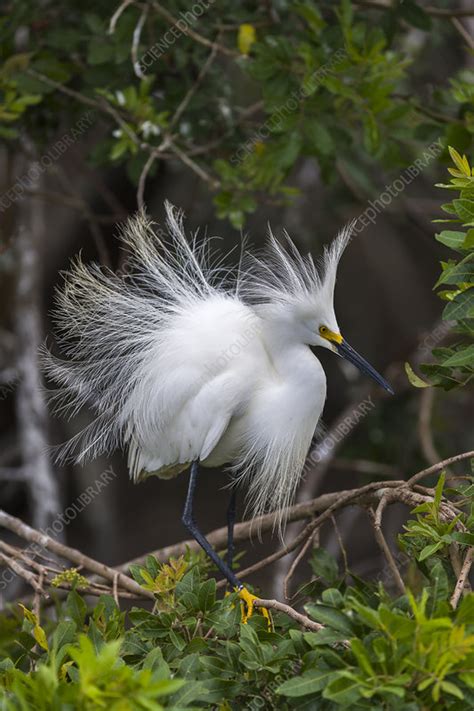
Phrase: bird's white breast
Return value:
(278, 404)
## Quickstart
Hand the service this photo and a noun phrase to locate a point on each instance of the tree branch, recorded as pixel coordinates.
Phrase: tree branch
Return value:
(72, 554)
(462, 583)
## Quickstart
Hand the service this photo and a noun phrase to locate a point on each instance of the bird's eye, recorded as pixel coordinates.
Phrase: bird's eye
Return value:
(323, 330)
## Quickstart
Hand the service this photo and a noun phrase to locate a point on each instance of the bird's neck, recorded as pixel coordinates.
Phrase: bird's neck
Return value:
(283, 347)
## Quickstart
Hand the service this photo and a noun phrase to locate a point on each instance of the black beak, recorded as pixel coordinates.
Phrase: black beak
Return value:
(345, 351)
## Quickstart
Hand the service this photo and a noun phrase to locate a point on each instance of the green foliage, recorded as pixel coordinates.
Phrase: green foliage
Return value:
(331, 80)
(454, 365)
(431, 532)
(191, 651)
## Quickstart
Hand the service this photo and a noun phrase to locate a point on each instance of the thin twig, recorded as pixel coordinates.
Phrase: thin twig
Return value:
(142, 181)
(295, 563)
(21, 571)
(186, 30)
(440, 465)
(72, 554)
(463, 32)
(376, 519)
(194, 166)
(287, 610)
(366, 495)
(462, 579)
(116, 16)
(37, 597)
(190, 93)
(137, 33)
(115, 589)
(341, 545)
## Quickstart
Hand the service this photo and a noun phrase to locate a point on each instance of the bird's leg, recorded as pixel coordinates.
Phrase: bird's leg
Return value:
(230, 527)
(189, 522)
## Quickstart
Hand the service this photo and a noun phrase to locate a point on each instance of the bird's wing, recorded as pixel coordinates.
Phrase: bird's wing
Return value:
(190, 434)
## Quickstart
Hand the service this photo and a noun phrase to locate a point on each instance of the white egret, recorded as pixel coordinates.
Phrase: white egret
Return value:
(187, 364)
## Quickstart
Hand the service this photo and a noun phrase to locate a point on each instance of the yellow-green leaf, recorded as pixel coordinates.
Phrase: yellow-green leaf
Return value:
(415, 379)
(246, 37)
(40, 636)
(29, 615)
(461, 163)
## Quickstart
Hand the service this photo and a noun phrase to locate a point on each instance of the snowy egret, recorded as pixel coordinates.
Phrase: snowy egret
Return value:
(186, 363)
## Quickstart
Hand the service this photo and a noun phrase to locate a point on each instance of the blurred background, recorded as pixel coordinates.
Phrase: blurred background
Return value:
(298, 115)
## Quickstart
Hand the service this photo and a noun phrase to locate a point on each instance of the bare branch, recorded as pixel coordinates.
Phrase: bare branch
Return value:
(469, 40)
(117, 14)
(189, 95)
(370, 494)
(72, 554)
(462, 582)
(21, 572)
(440, 465)
(137, 32)
(380, 538)
(295, 563)
(287, 610)
(192, 33)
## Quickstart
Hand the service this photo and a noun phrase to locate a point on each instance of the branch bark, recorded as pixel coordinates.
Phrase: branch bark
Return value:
(72, 554)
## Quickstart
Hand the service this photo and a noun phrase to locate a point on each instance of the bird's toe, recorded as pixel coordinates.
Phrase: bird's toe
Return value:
(248, 606)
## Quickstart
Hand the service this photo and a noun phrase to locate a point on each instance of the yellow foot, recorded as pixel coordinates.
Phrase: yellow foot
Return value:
(247, 607)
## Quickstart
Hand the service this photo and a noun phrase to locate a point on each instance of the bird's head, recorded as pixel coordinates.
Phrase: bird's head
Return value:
(298, 295)
(324, 328)
(330, 337)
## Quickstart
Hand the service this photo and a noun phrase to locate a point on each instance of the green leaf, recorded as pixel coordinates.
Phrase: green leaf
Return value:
(461, 307)
(324, 565)
(332, 597)
(312, 16)
(464, 209)
(452, 239)
(362, 656)
(165, 687)
(100, 51)
(460, 273)
(319, 137)
(430, 550)
(465, 611)
(63, 634)
(469, 241)
(76, 608)
(344, 690)
(439, 490)
(452, 689)
(330, 617)
(414, 14)
(308, 683)
(463, 356)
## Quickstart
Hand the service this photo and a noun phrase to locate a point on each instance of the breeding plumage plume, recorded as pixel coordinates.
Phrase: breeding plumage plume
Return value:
(185, 362)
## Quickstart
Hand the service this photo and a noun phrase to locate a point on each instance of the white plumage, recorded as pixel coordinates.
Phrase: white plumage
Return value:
(181, 360)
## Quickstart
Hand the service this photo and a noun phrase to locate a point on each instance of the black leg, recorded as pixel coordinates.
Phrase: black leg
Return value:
(189, 522)
(230, 528)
